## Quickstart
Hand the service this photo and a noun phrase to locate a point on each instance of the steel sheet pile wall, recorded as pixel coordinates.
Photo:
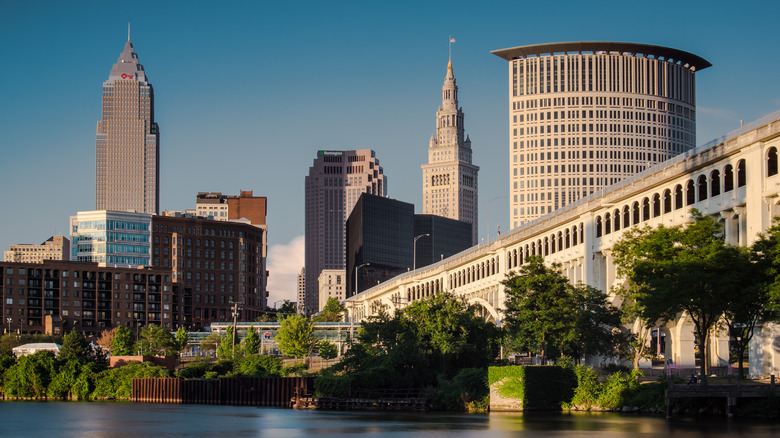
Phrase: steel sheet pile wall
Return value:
(247, 391)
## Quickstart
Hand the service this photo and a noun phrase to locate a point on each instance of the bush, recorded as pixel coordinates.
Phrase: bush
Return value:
(298, 369)
(468, 388)
(117, 383)
(332, 385)
(255, 365)
(617, 389)
(588, 390)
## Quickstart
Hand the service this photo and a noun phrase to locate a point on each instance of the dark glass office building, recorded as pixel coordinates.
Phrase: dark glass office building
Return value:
(380, 232)
(447, 237)
(380, 240)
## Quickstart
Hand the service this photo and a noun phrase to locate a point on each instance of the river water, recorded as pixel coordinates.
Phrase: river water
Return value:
(136, 420)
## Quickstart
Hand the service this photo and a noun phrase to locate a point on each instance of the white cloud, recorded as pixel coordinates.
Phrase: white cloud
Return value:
(284, 264)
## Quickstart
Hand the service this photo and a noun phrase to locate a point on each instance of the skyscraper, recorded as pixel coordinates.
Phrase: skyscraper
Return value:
(584, 115)
(128, 141)
(335, 182)
(449, 178)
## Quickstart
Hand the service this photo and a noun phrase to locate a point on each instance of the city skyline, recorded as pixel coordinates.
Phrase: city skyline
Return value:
(269, 84)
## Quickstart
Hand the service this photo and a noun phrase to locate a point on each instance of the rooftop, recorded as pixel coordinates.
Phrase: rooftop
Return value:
(667, 53)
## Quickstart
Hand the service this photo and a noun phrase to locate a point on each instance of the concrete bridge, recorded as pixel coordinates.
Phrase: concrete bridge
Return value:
(734, 178)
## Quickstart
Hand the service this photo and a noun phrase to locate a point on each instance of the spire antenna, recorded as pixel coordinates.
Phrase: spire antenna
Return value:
(128, 31)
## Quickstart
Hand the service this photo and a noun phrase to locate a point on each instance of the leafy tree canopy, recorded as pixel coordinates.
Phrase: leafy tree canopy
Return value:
(332, 312)
(689, 269)
(296, 336)
(123, 342)
(157, 341)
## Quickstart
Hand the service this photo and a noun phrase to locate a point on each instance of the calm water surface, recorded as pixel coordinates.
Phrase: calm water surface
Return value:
(120, 420)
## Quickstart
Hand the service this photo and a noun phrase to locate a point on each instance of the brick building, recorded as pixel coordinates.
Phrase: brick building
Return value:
(87, 296)
(213, 264)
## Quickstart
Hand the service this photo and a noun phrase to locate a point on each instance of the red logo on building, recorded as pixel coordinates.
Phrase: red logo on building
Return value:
(124, 76)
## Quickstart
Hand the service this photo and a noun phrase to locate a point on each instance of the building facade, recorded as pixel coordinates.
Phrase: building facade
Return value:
(214, 264)
(332, 283)
(86, 296)
(54, 248)
(380, 235)
(299, 305)
(585, 115)
(335, 182)
(449, 177)
(446, 237)
(128, 141)
(111, 238)
(231, 207)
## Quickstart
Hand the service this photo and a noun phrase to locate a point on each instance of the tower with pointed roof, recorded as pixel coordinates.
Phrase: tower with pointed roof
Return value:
(128, 140)
(449, 177)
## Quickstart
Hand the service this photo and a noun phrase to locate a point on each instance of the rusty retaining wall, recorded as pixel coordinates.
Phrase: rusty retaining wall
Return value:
(244, 391)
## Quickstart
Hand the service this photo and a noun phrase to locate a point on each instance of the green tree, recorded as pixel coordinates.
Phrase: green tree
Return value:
(182, 338)
(333, 311)
(251, 343)
(686, 269)
(123, 342)
(287, 308)
(429, 341)
(328, 350)
(541, 311)
(156, 341)
(30, 375)
(117, 383)
(225, 348)
(759, 299)
(546, 314)
(75, 346)
(211, 342)
(296, 336)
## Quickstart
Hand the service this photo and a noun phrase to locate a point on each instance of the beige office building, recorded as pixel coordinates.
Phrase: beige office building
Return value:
(128, 141)
(54, 248)
(335, 182)
(449, 178)
(332, 284)
(584, 115)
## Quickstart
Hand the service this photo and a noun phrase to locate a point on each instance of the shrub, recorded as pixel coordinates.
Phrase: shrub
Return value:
(588, 390)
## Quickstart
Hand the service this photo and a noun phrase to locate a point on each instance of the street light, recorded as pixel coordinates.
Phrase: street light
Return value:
(10, 320)
(488, 215)
(414, 265)
(356, 276)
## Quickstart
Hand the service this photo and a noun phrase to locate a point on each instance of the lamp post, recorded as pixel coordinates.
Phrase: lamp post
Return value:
(9, 320)
(356, 276)
(414, 262)
(490, 201)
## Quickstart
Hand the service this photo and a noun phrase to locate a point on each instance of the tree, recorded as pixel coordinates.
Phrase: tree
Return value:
(328, 350)
(597, 327)
(540, 307)
(182, 338)
(332, 312)
(759, 300)
(296, 336)
(123, 342)
(251, 343)
(683, 269)
(75, 346)
(287, 308)
(157, 341)
(31, 375)
(106, 336)
(225, 348)
(210, 343)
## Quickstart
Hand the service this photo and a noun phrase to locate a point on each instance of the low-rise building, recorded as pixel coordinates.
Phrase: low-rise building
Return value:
(54, 248)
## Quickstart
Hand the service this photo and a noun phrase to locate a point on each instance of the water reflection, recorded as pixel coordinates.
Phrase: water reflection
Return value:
(120, 420)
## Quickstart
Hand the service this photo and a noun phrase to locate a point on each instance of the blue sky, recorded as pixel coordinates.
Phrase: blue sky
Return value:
(247, 92)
